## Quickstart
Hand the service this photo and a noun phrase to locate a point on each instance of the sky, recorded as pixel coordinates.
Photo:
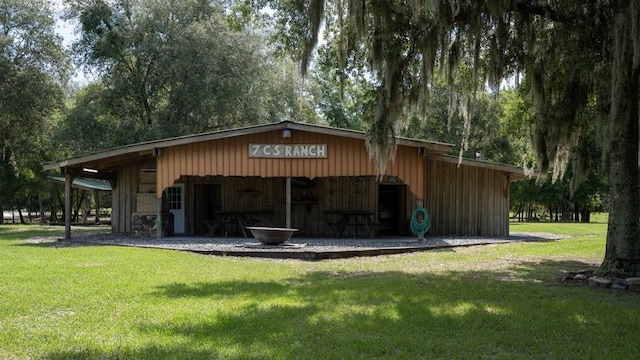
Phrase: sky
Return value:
(66, 30)
(63, 28)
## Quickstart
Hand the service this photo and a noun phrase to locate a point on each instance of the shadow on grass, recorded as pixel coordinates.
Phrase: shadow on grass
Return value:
(232, 289)
(18, 233)
(46, 235)
(330, 315)
(55, 242)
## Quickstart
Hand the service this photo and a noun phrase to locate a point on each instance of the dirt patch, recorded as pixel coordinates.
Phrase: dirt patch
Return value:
(573, 279)
(42, 239)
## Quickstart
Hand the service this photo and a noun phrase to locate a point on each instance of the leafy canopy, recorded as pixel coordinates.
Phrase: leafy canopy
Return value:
(171, 68)
(33, 69)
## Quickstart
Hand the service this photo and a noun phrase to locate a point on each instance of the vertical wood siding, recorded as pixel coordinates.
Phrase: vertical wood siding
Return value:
(466, 200)
(124, 199)
(229, 157)
(310, 200)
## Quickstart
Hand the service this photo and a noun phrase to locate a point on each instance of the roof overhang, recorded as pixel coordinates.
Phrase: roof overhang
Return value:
(85, 184)
(101, 163)
(515, 173)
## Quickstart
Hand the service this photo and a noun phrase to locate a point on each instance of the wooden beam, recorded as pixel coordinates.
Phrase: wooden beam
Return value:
(68, 181)
(64, 171)
(288, 201)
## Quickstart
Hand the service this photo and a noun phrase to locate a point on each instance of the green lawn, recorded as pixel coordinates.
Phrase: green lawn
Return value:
(498, 302)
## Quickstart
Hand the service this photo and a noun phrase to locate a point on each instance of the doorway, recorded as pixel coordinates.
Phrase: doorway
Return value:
(176, 207)
(208, 202)
(391, 209)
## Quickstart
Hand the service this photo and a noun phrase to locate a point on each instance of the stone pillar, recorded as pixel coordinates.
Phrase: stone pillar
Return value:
(145, 225)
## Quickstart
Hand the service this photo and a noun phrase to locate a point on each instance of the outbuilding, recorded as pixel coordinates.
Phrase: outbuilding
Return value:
(290, 174)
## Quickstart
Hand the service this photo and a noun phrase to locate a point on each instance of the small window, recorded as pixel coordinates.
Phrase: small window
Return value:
(175, 198)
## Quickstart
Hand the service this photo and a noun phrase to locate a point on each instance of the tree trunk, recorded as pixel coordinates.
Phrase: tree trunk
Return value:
(622, 256)
(96, 196)
(85, 209)
(61, 201)
(76, 206)
(1, 203)
(521, 213)
(54, 208)
(1, 211)
(19, 207)
(21, 216)
(41, 208)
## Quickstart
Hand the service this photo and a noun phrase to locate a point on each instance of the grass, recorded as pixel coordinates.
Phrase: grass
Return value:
(498, 302)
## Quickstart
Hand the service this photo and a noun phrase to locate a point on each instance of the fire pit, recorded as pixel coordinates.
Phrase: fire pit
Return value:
(271, 236)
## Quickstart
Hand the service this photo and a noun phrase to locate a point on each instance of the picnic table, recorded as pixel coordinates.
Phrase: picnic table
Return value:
(240, 219)
(338, 220)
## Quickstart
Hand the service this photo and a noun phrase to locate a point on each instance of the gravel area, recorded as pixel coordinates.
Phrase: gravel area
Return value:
(304, 248)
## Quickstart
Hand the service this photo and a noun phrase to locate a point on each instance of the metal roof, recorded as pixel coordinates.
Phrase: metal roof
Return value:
(144, 151)
(86, 184)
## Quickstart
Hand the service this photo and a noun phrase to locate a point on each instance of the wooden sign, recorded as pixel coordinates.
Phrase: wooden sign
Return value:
(294, 151)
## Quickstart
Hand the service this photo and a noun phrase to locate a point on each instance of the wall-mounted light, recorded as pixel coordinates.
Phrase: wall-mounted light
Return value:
(286, 133)
(93, 171)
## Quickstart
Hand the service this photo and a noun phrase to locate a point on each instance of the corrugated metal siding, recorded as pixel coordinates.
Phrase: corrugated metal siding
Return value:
(229, 157)
(466, 200)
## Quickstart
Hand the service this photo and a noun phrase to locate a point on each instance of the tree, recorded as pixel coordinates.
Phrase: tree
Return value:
(171, 68)
(347, 99)
(89, 124)
(33, 66)
(346, 96)
(570, 52)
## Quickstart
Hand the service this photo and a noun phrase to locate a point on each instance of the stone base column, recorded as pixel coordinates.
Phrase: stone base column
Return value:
(144, 225)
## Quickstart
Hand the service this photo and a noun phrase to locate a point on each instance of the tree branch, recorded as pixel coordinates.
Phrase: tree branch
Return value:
(546, 11)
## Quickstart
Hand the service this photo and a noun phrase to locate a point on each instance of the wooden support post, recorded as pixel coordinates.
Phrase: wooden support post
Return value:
(68, 180)
(288, 202)
(157, 152)
(159, 218)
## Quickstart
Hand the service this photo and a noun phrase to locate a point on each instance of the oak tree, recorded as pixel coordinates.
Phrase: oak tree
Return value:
(571, 53)
(172, 68)
(33, 69)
